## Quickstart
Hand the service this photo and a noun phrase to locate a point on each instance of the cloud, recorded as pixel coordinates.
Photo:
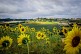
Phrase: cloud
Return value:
(40, 8)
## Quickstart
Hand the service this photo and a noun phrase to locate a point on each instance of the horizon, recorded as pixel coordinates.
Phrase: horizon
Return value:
(40, 18)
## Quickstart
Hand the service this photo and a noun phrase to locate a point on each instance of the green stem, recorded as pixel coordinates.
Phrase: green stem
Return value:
(28, 47)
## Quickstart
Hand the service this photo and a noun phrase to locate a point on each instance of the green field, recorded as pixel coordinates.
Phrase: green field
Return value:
(50, 41)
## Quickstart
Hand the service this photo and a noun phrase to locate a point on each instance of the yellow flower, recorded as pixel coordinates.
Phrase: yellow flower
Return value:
(23, 39)
(19, 26)
(43, 29)
(22, 29)
(64, 30)
(47, 42)
(5, 42)
(28, 28)
(73, 41)
(33, 29)
(47, 39)
(43, 36)
(54, 29)
(38, 35)
(58, 31)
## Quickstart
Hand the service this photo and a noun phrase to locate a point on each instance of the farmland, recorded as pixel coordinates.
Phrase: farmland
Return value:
(38, 36)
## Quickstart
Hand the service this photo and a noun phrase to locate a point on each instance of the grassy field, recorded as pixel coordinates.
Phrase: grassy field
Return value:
(33, 38)
(40, 22)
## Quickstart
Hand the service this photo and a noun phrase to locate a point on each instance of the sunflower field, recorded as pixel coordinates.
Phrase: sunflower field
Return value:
(24, 39)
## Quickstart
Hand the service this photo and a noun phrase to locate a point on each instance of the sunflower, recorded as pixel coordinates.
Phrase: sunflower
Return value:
(19, 26)
(58, 31)
(23, 39)
(73, 41)
(33, 29)
(47, 40)
(22, 30)
(64, 30)
(43, 29)
(28, 28)
(54, 29)
(43, 36)
(5, 42)
(38, 35)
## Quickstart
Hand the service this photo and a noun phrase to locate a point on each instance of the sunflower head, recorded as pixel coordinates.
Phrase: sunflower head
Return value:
(5, 42)
(23, 39)
(43, 29)
(47, 39)
(33, 29)
(73, 41)
(43, 36)
(54, 29)
(64, 30)
(22, 30)
(19, 26)
(38, 35)
(47, 42)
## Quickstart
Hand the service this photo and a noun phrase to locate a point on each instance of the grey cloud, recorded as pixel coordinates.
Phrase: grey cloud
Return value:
(36, 8)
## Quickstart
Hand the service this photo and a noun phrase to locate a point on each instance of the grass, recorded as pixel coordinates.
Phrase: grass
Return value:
(40, 22)
(39, 26)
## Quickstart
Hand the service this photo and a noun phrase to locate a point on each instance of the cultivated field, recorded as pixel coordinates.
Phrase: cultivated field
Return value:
(39, 37)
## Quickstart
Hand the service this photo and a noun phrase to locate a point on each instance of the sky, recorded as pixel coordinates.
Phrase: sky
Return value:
(40, 8)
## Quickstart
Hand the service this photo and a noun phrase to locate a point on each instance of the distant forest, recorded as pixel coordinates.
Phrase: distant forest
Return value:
(8, 19)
